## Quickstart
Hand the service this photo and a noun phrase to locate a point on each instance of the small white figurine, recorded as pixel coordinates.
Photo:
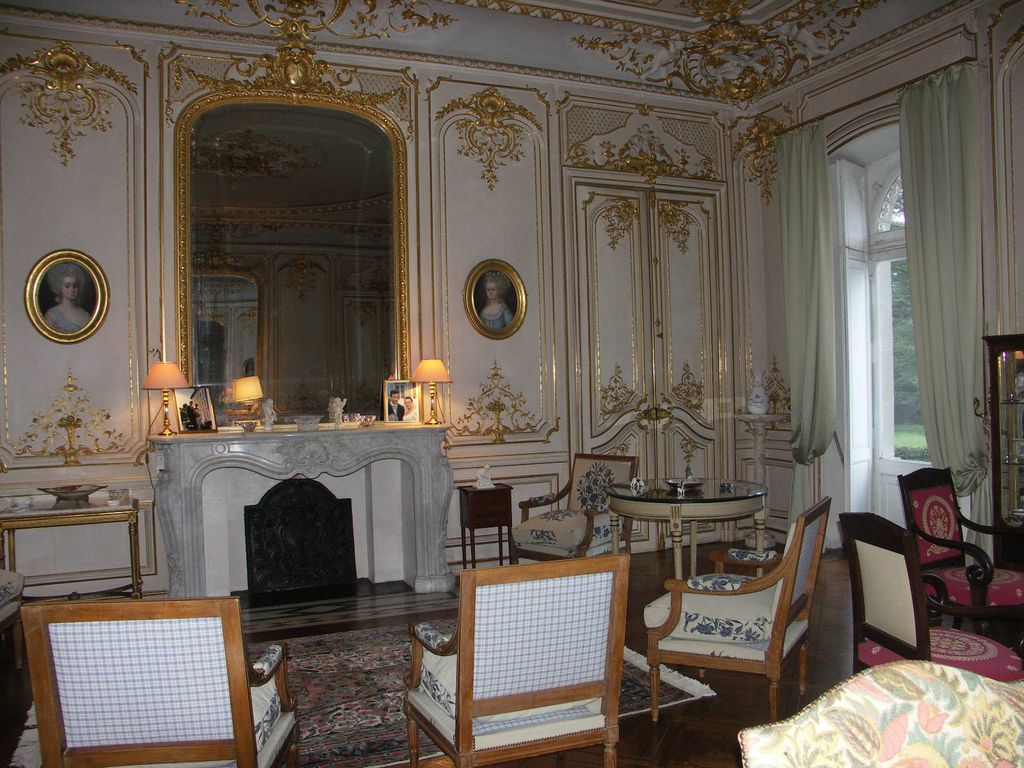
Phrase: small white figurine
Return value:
(637, 485)
(269, 414)
(336, 410)
(483, 477)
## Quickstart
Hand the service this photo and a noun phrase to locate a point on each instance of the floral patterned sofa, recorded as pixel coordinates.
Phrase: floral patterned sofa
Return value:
(908, 714)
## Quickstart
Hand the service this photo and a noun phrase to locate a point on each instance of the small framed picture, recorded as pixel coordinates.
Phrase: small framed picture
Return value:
(194, 407)
(66, 296)
(1018, 451)
(401, 402)
(495, 299)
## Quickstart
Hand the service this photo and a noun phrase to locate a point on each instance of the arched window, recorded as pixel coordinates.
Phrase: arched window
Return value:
(890, 215)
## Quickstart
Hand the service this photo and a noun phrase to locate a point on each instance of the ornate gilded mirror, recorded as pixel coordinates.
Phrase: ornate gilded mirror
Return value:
(291, 252)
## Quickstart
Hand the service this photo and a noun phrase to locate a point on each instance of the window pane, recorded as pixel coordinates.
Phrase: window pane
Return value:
(908, 424)
(891, 215)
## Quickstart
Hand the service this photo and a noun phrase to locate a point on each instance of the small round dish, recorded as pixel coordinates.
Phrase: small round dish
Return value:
(72, 492)
(682, 484)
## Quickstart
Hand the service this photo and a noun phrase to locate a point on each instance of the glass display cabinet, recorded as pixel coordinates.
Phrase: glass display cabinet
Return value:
(1005, 356)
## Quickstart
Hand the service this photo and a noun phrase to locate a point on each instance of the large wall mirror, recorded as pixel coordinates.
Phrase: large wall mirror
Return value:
(291, 254)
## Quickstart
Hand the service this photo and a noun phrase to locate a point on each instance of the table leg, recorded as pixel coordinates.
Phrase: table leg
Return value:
(133, 545)
(693, 547)
(760, 523)
(675, 530)
(613, 521)
(3, 539)
(463, 546)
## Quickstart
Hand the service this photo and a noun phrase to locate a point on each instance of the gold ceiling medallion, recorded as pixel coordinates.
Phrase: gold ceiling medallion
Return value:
(55, 430)
(689, 391)
(675, 222)
(616, 396)
(757, 147)
(619, 220)
(295, 20)
(778, 392)
(729, 59)
(64, 104)
(496, 412)
(491, 133)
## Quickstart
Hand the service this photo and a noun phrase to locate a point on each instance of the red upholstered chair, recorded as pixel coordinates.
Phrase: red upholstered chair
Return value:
(890, 607)
(932, 513)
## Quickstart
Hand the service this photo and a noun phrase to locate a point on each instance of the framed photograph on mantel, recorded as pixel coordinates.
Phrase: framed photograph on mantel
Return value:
(401, 402)
(194, 407)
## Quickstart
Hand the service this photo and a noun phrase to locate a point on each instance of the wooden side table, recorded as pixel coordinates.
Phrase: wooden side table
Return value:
(84, 514)
(484, 508)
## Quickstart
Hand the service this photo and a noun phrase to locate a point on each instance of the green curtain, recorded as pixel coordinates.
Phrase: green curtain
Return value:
(940, 158)
(806, 209)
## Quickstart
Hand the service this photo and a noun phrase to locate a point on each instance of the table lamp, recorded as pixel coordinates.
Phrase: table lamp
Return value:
(431, 372)
(248, 389)
(165, 376)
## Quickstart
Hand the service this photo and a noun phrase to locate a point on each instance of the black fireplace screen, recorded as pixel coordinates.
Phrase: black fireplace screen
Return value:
(299, 544)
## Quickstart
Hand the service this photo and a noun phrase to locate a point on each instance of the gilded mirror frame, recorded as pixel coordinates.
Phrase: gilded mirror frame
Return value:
(182, 190)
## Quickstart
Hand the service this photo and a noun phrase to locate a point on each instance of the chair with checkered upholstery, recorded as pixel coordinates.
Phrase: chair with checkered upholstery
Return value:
(146, 682)
(579, 526)
(11, 585)
(533, 665)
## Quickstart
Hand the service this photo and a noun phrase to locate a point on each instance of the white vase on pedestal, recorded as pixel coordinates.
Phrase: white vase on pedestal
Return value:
(757, 400)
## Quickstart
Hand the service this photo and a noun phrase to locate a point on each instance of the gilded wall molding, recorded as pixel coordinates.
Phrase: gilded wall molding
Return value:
(728, 59)
(497, 412)
(756, 145)
(778, 392)
(616, 396)
(675, 222)
(689, 391)
(490, 131)
(55, 431)
(65, 103)
(619, 219)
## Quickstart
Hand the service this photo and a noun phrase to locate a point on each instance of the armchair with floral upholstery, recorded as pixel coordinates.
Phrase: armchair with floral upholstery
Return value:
(580, 527)
(11, 586)
(907, 713)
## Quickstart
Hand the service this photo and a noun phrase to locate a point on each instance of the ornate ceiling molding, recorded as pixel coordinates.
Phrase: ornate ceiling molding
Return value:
(729, 59)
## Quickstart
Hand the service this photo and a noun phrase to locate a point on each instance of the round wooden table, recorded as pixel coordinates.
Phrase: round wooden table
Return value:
(715, 499)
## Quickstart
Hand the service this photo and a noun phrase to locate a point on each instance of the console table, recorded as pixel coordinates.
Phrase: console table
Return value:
(82, 514)
(182, 463)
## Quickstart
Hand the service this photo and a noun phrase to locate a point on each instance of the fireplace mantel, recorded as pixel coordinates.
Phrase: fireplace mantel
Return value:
(184, 461)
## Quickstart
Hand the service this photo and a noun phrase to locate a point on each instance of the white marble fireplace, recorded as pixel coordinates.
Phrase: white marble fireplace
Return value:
(399, 479)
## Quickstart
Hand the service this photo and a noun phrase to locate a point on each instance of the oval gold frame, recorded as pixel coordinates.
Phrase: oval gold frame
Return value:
(468, 297)
(35, 281)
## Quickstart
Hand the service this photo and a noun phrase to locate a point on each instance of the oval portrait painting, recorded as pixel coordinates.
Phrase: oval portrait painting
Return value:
(495, 299)
(66, 296)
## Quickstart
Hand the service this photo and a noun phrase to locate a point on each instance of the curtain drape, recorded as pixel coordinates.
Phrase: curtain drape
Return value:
(806, 211)
(940, 158)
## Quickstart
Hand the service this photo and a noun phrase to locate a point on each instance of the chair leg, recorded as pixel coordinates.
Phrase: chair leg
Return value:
(609, 756)
(18, 633)
(773, 700)
(654, 678)
(414, 740)
(802, 667)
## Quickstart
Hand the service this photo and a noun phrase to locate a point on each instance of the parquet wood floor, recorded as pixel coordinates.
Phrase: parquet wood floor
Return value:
(698, 735)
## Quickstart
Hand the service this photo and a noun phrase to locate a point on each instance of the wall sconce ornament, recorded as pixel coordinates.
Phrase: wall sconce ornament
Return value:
(496, 412)
(55, 431)
(728, 59)
(65, 103)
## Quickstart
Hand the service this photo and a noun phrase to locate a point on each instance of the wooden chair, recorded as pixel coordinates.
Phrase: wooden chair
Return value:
(580, 527)
(890, 607)
(152, 682)
(933, 513)
(11, 586)
(533, 666)
(905, 713)
(753, 626)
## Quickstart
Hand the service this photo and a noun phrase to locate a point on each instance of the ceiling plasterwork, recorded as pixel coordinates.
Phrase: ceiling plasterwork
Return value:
(729, 58)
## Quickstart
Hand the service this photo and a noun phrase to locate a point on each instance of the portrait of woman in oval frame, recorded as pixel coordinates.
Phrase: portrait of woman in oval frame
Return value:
(495, 299)
(66, 296)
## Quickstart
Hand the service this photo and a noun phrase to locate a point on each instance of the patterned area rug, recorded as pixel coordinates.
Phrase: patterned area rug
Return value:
(348, 691)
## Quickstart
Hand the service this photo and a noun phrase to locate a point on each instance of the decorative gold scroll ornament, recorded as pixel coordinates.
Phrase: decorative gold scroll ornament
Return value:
(616, 396)
(497, 411)
(757, 147)
(779, 397)
(55, 430)
(490, 133)
(297, 20)
(728, 59)
(689, 391)
(675, 221)
(64, 104)
(619, 220)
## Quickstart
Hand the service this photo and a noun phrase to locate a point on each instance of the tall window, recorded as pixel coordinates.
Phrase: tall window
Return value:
(899, 418)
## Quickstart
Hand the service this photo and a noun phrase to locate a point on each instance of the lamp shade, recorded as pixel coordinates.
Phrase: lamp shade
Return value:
(164, 376)
(431, 371)
(247, 388)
